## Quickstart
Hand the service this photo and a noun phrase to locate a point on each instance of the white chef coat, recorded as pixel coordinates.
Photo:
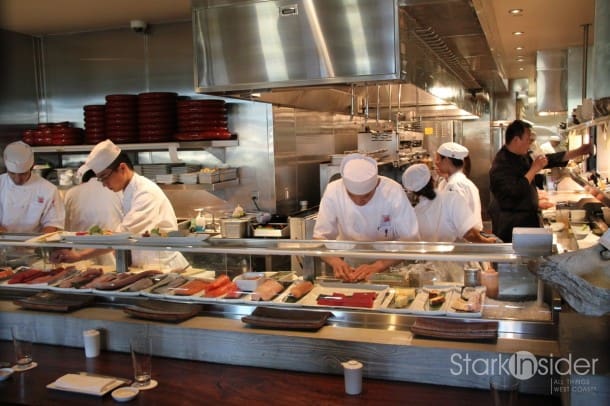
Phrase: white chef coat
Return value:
(446, 218)
(90, 204)
(387, 216)
(30, 207)
(146, 207)
(458, 182)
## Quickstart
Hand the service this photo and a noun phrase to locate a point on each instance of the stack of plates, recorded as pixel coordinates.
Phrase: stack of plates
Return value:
(53, 134)
(95, 123)
(166, 179)
(185, 168)
(188, 178)
(121, 118)
(202, 120)
(152, 170)
(156, 116)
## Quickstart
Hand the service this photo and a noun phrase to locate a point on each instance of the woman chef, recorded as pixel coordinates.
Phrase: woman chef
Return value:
(28, 203)
(444, 215)
(362, 206)
(144, 204)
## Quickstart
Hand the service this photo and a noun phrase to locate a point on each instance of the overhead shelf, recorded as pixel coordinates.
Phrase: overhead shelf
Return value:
(152, 146)
(210, 187)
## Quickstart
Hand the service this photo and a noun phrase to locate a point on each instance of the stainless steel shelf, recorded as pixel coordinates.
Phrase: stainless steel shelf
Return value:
(145, 146)
(202, 186)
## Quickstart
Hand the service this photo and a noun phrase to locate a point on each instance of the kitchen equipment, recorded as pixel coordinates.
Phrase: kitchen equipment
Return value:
(235, 228)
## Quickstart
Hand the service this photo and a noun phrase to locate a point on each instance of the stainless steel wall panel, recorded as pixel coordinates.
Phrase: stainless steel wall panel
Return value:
(170, 58)
(82, 68)
(18, 96)
(476, 137)
(300, 42)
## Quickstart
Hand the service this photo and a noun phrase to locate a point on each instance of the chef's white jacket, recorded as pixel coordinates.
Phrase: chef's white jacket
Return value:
(458, 182)
(90, 204)
(387, 216)
(446, 218)
(30, 207)
(146, 207)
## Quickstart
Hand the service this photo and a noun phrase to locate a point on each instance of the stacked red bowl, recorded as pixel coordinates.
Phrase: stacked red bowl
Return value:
(202, 120)
(121, 118)
(95, 123)
(156, 116)
(53, 134)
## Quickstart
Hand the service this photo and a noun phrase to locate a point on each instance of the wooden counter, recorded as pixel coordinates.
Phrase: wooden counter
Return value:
(190, 383)
(386, 353)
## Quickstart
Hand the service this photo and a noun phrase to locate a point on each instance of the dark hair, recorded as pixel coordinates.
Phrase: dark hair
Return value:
(88, 175)
(428, 190)
(122, 158)
(515, 129)
(458, 163)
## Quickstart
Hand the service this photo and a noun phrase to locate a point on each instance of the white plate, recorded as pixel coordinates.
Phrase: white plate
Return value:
(420, 303)
(96, 238)
(194, 239)
(328, 288)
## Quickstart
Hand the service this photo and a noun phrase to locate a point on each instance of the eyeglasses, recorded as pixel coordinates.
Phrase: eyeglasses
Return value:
(105, 177)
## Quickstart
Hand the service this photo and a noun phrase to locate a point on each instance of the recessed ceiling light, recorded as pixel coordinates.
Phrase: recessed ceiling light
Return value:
(519, 59)
(515, 11)
(519, 48)
(521, 68)
(518, 33)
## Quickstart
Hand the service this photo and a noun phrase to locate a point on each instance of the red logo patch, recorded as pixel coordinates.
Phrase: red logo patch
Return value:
(40, 199)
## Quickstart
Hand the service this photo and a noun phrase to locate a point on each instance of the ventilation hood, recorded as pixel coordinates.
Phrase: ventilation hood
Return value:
(551, 81)
(377, 57)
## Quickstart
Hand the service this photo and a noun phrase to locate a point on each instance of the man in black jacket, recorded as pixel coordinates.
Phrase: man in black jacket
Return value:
(514, 201)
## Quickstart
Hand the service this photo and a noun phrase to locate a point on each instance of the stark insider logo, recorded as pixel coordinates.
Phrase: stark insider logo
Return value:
(522, 365)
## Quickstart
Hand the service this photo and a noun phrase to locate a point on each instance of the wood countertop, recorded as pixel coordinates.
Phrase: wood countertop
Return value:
(184, 382)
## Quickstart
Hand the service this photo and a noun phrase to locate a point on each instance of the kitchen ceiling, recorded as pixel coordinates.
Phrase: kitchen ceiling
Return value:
(546, 24)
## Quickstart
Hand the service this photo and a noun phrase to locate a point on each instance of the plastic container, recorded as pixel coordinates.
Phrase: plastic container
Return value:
(489, 279)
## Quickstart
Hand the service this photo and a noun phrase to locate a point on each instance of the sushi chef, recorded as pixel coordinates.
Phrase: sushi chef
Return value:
(449, 160)
(145, 207)
(28, 203)
(363, 206)
(442, 215)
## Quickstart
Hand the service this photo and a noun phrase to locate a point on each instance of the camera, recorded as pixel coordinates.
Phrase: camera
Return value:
(138, 26)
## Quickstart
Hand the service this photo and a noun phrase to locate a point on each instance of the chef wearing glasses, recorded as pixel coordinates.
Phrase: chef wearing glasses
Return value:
(145, 207)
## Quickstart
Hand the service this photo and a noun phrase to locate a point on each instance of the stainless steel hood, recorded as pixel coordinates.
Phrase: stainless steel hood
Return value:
(551, 81)
(332, 55)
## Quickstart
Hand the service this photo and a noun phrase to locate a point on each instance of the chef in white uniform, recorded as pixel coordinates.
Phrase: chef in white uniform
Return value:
(552, 145)
(28, 203)
(145, 207)
(363, 206)
(89, 204)
(449, 161)
(443, 216)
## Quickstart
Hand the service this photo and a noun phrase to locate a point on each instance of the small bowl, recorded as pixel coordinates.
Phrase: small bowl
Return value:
(580, 231)
(249, 281)
(125, 393)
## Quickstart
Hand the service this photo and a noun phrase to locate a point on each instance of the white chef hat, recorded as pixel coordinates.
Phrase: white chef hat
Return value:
(555, 138)
(416, 177)
(359, 173)
(100, 158)
(453, 150)
(18, 157)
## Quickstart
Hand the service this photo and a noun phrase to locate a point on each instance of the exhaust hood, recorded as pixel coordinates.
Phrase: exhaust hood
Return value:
(332, 55)
(551, 81)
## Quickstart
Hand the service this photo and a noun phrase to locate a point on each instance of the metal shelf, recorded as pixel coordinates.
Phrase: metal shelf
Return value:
(210, 187)
(150, 146)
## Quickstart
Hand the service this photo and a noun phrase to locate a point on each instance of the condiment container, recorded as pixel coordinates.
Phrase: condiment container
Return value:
(352, 371)
(472, 277)
(489, 279)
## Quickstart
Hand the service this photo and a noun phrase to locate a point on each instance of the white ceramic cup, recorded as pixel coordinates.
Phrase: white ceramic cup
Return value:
(91, 339)
(352, 371)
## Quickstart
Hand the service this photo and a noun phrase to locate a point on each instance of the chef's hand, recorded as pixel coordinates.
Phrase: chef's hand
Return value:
(365, 271)
(64, 255)
(341, 269)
